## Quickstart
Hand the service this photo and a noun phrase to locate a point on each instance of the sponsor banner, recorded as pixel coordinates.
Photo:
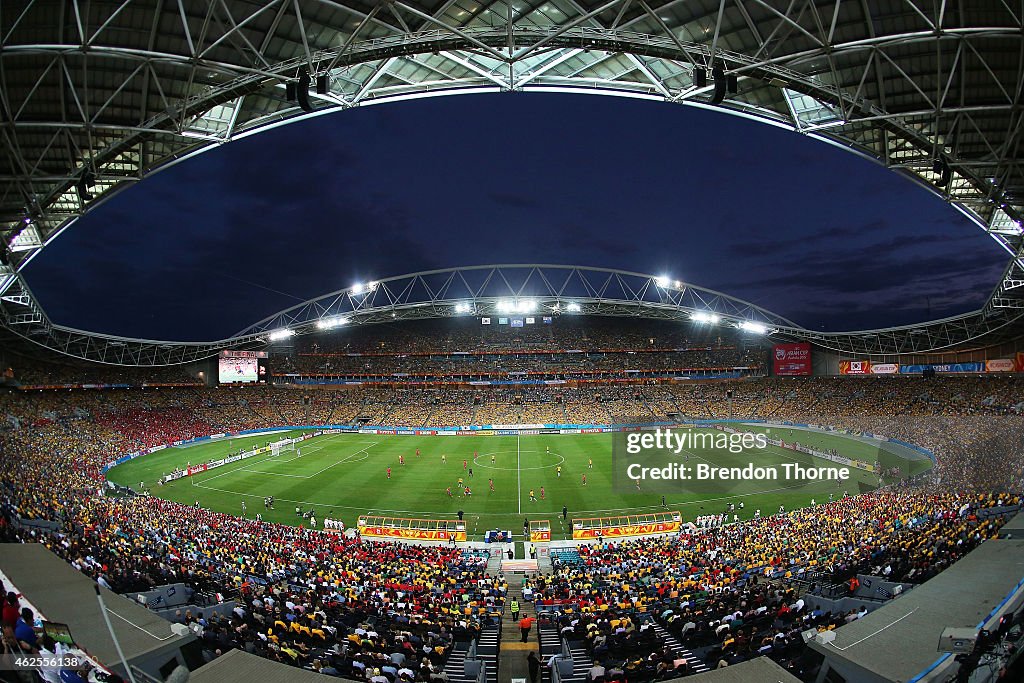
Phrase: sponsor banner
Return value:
(625, 530)
(367, 431)
(1000, 365)
(547, 320)
(517, 322)
(195, 469)
(522, 426)
(854, 367)
(790, 360)
(411, 534)
(568, 431)
(485, 321)
(425, 433)
(885, 368)
(540, 536)
(243, 354)
(530, 321)
(591, 430)
(944, 367)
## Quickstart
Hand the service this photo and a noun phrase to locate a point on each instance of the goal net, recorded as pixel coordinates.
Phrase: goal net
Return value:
(279, 447)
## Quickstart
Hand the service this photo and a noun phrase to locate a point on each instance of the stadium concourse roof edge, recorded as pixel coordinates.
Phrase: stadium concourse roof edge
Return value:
(242, 667)
(898, 642)
(65, 595)
(500, 290)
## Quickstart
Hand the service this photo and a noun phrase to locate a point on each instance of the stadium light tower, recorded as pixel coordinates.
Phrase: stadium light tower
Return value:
(278, 335)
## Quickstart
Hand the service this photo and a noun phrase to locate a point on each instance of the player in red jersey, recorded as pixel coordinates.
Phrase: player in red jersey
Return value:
(389, 473)
(417, 452)
(401, 459)
(542, 493)
(584, 480)
(465, 464)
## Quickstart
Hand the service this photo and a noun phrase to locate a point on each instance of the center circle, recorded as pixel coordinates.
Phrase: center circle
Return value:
(515, 461)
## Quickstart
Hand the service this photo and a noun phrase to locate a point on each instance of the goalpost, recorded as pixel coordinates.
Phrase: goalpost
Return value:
(279, 447)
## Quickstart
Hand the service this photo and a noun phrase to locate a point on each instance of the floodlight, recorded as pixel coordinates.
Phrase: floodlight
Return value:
(506, 306)
(278, 335)
(662, 281)
(526, 306)
(574, 307)
(704, 317)
(751, 326)
(329, 323)
(462, 307)
(363, 287)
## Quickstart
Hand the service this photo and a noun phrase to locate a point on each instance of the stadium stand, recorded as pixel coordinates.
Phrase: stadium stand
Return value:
(656, 607)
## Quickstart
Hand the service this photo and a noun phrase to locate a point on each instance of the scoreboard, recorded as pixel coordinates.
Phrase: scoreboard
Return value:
(242, 367)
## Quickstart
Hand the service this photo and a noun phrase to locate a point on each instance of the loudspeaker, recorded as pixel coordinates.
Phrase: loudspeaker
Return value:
(941, 166)
(700, 76)
(289, 91)
(323, 84)
(718, 74)
(302, 92)
(732, 82)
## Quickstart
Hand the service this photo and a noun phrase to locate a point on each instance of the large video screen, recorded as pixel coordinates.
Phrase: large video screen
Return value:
(235, 370)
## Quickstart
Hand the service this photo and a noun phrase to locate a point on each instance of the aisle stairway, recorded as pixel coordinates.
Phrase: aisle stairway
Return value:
(693, 663)
(487, 649)
(454, 668)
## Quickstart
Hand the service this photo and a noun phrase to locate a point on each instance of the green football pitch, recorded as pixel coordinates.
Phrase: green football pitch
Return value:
(342, 476)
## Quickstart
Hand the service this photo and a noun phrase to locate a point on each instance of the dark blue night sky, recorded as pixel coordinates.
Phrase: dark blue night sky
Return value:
(213, 244)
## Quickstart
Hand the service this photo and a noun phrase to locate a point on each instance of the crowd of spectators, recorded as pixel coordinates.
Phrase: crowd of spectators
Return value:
(717, 588)
(335, 604)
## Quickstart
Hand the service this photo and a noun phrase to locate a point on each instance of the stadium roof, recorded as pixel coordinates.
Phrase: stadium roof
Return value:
(65, 595)
(98, 96)
(899, 642)
(237, 666)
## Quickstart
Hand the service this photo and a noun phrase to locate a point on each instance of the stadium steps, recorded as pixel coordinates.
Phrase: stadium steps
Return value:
(550, 644)
(488, 646)
(694, 664)
(454, 668)
(581, 663)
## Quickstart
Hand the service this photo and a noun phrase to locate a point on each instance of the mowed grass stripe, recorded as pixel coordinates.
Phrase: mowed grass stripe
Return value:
(343, 476)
